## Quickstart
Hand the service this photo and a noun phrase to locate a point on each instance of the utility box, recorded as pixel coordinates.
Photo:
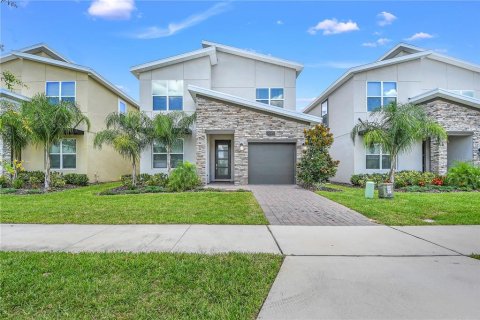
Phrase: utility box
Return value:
(385, 190)
(369, 189)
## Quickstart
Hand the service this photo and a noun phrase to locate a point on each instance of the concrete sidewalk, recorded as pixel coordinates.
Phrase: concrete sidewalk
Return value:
(288, 240)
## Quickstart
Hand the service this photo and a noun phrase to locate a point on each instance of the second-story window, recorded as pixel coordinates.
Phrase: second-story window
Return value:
(380, 93)
(167, 95)
(122, 106)
(325, 112)
(57, 91)
(271, 96)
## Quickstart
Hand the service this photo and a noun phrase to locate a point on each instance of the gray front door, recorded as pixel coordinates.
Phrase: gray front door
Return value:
(222, 160)
(271, 163)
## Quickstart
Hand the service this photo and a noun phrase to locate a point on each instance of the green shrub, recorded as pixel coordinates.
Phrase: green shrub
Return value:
(153, 189)
(26, 175)
(7, 190)
(316, 165)
(158, 179)
(34, 191)
(3, 181)
(184, 177)
(76, 179)
(34, 182)
(464, 174)
(57, 180)
(402, 178)
(17, 183)
(361, 179)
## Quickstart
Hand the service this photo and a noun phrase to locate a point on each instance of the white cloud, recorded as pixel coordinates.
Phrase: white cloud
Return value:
(332, 26)
(173, 28)
(385, 18)
(335, 64)
(419, 36)
(391, 92)
(378, 43)
(279, 22)
(112, 9)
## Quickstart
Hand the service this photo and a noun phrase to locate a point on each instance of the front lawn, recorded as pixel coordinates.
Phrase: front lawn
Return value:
(411, 208)
(84, 206)
(134, 286)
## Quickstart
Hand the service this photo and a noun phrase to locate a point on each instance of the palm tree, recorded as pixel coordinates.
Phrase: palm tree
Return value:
(129, 134)
(168, 128)
(396, 128)
(49, 123)
(14, 129)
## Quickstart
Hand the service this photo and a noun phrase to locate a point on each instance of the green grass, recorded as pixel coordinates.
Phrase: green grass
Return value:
(134, 286)
(410, 208)
(84, 206)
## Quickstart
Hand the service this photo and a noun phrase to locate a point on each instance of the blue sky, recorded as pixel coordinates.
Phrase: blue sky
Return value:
(327, 37)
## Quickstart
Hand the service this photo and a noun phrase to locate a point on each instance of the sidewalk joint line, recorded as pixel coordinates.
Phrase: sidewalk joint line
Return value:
(92, 235)
(275, 239)
(439, 245)
(184, 232)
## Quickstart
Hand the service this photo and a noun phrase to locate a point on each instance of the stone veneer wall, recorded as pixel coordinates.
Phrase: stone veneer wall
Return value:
(247, 124)
(454, 118)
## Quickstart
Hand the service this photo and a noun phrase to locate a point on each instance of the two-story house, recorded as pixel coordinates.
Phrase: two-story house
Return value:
(448, 88)
(247, 129)
(43, 70)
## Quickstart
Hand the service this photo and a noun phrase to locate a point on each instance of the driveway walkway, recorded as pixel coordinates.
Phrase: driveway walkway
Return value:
(292, 205)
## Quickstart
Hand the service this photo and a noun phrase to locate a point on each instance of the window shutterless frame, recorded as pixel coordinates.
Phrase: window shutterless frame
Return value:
(381, 96)
(169, 98)
(271, 100)
(380, 154)
(120, 102)
(182, 154)
(60, 94)
(61, 153)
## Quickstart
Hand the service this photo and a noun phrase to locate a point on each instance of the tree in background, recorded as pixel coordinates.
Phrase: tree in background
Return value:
(168, 128)
(397, 128)
(49, 123)
(316, 165)
(129, 134)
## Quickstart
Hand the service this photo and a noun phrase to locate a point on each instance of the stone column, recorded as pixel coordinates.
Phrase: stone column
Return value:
(201, 152)
(438, 154)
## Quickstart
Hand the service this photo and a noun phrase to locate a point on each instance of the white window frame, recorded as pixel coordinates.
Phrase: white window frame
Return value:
(124, 103)
(61, 154)
(381, 93)
(324, 115)
(60, 90)
(167, 96)
(270, 96)
(380, 154)
(171, 153)
(463, 91)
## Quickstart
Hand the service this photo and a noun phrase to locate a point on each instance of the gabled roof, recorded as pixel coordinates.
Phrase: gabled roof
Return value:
(9, 95)
(37, 48)
(447, 95)
(92, 73)
(194, 91)
(401, 47)
(211, 52)
(253, 55)
(384, 61)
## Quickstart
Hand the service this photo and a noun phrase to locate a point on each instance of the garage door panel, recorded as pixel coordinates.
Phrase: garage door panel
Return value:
(271, 163)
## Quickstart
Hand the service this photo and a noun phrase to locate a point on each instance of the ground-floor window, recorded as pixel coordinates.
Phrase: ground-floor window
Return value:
(376, 158)
(160, 154)
(63, 155)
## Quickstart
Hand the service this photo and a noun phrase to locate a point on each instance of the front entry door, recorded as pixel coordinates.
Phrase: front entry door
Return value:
(222, 160)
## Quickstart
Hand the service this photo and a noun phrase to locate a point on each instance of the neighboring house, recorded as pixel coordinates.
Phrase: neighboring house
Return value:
(247, 129)
(8, 98)
(449, 88)
(43, 70)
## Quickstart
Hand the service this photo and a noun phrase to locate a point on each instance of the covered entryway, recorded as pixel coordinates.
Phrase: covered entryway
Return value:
(271, 163)
(459, 148)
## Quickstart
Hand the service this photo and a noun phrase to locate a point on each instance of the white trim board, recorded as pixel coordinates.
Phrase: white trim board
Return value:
(447, 95)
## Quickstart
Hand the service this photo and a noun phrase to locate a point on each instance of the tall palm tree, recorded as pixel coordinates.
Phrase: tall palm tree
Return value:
(14, 129)
(396, 128)
(49, 123)
(129, 134)
(168, 128)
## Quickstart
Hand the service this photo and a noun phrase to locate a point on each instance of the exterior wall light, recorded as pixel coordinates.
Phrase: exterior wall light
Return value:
(304, 147)
(241, 147)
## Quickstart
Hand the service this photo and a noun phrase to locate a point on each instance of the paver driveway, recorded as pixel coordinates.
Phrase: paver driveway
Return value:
(292, 205)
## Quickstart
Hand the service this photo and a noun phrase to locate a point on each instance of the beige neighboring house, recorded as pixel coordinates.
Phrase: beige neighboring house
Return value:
(44, 70)
(449, 89)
